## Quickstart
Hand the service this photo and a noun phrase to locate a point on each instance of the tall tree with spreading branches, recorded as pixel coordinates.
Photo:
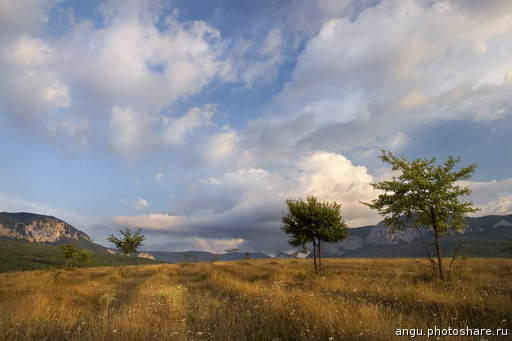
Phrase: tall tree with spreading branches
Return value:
(129, 242)
(314, 221)
(426, 195)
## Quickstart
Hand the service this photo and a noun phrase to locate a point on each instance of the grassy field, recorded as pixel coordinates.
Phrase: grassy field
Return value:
(357, 299)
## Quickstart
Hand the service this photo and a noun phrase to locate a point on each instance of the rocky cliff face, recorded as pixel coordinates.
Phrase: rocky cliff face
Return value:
(38, 228)
(380, 234)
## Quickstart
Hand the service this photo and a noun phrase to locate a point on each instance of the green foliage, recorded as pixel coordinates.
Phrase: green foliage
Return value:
(76, 257)
(129, 242)
(17, 255)
(426, 195)
(314, 221)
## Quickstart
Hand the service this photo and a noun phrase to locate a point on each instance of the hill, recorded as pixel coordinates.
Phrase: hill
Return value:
(16, 255)
(487, 236)
(38, 228)
(30, 241)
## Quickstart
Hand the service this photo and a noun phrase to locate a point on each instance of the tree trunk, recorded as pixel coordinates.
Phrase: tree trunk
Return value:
(439, 259)
(319, 257)
(314, 255)
(438, 248)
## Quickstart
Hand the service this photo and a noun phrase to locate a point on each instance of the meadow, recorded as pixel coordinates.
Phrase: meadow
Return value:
(266, 299)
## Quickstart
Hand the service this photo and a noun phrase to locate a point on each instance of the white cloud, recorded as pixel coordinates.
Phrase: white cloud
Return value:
(359, 89)
(132, 62)
(491, 197)
(177, 129)
(28, 51)
(140, 204)
(217, 245)
(220, 146)
(32, 89)
(134, 132)
(332, 176)
(502, 206)
(56, 94)
(135, 65)
(130, 130)
(155, 221)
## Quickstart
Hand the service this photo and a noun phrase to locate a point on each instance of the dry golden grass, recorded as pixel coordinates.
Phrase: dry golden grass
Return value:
(253, 300)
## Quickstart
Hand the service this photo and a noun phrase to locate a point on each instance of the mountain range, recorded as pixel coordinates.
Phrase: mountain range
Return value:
(487, 236)
(27, 235)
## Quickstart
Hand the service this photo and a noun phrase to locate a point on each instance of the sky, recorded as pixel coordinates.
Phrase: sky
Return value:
(196, 120)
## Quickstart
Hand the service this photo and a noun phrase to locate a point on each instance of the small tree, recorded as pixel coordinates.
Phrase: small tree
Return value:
(314, 221)
(76, 257)
(129, 242)
(425, 195)
(215, 257)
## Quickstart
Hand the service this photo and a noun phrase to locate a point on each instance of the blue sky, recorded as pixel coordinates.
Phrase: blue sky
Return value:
(195, 120)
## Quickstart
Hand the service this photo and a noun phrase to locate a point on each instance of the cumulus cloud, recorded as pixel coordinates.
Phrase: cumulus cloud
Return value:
(363, 78)
(491, 197)
(257, 201)
(141, 65)
(138, 62)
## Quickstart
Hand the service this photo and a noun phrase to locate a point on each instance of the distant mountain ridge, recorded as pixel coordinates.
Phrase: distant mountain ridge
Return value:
(487, 236)
(484, 236)
(38, 228)
(203, 256)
